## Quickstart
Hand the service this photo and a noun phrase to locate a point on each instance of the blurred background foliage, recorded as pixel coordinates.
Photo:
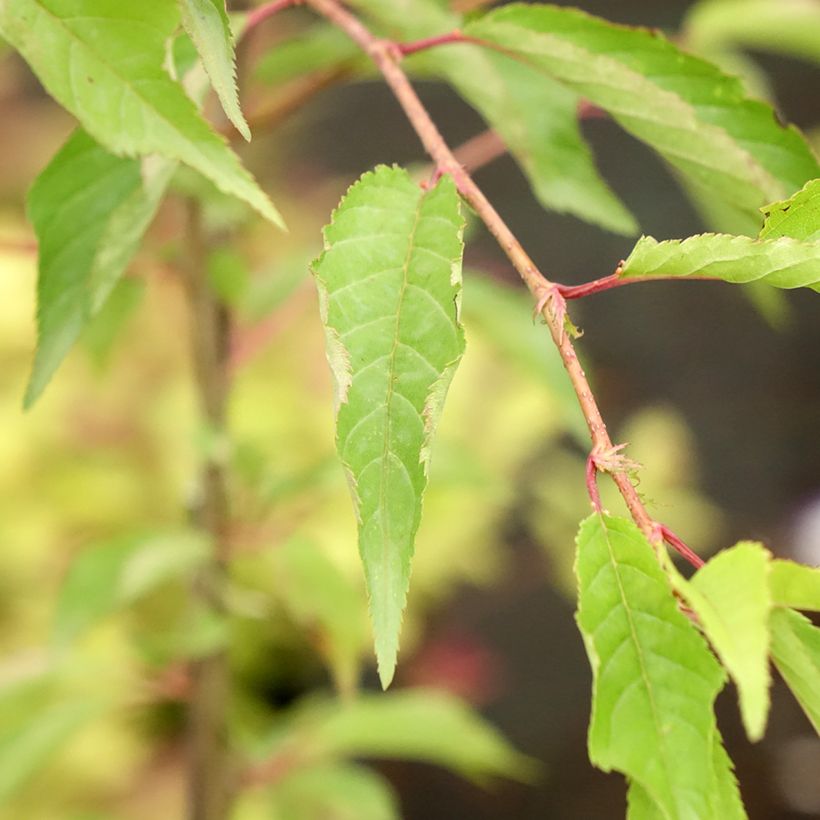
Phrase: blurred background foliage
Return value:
(97, 483)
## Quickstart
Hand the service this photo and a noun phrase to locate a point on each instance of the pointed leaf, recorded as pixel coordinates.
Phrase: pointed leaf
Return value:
(731, 597)
(390, 289)
(795, 585)
(655, 679)
(90, 210)
(796, 654)
(696, 117)
(797, 217)
(103, 61)
(782, 263)
(206, 21)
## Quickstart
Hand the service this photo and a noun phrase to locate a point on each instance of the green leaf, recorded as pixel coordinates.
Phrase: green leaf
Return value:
(390, 288)
(795, 585)
(790, 27)
(334, 792)
(107, 577)
(696, 117)
(206, 21)
(325, 604)
(89, 210)
(796, 654)
(103, 61)
(731, 597)
(782, 263)
(797, 217)
(655, 679)
(426, 725)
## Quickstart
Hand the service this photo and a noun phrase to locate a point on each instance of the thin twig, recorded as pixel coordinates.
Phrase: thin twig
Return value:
(266, 10)
(386, 56)
(480, 150)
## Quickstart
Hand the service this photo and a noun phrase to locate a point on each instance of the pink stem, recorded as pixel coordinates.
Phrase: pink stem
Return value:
(674, 541)
(260, 14)
(592, 484)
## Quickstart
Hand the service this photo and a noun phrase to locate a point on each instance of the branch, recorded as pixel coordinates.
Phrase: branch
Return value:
(261, 13)
(386, 56)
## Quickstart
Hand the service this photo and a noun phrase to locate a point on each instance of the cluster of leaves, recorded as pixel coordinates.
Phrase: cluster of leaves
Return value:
(390, 292)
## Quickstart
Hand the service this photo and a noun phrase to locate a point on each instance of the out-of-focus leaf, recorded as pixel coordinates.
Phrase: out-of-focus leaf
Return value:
(655, 679)
(228, 274)
(795, 585)
(696, 117)
(731, 597)
(90, 210)
(103, 61)
(105, 578)
(797, 217)
(790, 27)
(390, 290)
(796, 654)
(102, 332)
(325, 604)
(206, 21)
(334, 792)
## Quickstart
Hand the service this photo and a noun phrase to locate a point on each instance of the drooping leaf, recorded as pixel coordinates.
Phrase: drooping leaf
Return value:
(341, 791)
(206, 21)
(390, 287)
(426, 725)
(107, 577)
(790, 27)
(536, 117)
(654, 678)
(795, 585)
(90, 210)
(797, 217)
(782, 263)
(103, 61)
(731, 597)
(696, 117)
(796, 654)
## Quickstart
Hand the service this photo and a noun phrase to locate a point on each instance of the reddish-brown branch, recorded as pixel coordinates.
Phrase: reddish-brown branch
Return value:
(431, 42)
(615, 280)
(678, 544)
(480, 150)
(266, 10)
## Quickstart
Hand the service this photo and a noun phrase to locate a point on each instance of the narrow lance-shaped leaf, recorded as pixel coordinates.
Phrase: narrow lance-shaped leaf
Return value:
(655, 679)
(90, 210)
(696, 117)
(795, 585)
(390, 288)
(206, 21)
(103, 61)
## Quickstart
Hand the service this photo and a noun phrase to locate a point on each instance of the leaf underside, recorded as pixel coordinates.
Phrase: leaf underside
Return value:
(655, 680)
(390, 284)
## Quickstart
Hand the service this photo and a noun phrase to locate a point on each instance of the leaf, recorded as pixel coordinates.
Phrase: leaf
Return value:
(390, 288)
(103, 61)
(321, 599)
(206, 21)
(536, 118)
(796, 654)
(696, 117)
(90, 210)
(334, 791)
(782, 263)
(790, 27)
(731, 597)
(654, 678)
(107, 577)
(797, 217)
(426, 725)
(795, 585)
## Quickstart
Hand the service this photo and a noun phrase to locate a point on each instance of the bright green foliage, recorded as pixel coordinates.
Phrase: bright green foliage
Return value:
(341, 791)
(89, 210)
(107, 577)
(206, 21)
(536, 117)
(325, 605)
(789, 27)
(103, 61)
(797, 217)
(731, 598)
(696, 117)
(782, 263)
(655, 679)
(390, 287)
(795, 585)
(796, 653)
